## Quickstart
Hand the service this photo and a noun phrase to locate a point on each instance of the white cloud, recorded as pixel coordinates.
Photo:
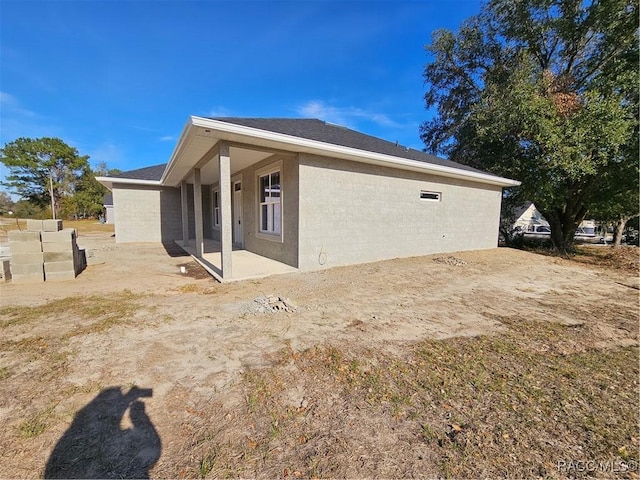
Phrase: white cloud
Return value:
(167, 138)
(219, 112)
(108, 153)
(12, 105)
(18, 121)
(345, 116)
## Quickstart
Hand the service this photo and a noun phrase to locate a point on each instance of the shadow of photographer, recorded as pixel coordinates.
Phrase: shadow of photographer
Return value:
(96, 446)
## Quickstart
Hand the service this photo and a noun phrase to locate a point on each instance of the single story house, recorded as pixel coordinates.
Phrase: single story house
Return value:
(305, 193)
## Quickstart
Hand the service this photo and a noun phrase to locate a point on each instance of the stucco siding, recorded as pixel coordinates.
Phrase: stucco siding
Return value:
(146, 214)
(285, 251)
(354, 213)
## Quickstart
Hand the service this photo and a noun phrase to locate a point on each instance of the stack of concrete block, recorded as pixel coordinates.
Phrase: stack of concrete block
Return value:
(45, 251)
(27, 260)
(62, 257)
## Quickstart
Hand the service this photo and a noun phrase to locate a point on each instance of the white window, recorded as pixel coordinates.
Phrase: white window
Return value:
(270, 208)
(430, 196)
(216, 208)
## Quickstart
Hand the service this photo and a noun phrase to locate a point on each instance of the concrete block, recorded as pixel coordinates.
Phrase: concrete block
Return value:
(25, 247)
(34, 225)
(26, 268)
(53, 276)
(65, 266)
(58, 256)
(81, 260)
(29, 278)
(24, 258)
(66, 235)
(59, 246)
(5, 270)
(18, 236)
(52, 225)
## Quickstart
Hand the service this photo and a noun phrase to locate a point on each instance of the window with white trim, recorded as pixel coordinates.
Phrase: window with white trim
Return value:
(216, 208)
(430, 196)
(270, 207)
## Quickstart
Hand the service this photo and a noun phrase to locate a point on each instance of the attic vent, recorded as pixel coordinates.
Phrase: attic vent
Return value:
(430, 196)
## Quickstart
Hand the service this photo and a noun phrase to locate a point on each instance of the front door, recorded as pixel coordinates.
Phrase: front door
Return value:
(237, 213)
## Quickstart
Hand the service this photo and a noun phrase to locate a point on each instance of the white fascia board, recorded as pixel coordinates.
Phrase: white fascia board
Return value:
(182, 142)
(109, 181)
(314, 146)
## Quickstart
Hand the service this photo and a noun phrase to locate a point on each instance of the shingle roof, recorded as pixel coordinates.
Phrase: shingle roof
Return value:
(314, 129)
(147, 173)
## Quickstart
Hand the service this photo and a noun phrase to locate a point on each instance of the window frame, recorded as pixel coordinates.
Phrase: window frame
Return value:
(268, 170)
(215, 219)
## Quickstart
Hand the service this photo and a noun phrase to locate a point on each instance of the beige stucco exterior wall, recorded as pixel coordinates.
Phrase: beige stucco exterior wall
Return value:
(285, 251)
(354, 213)
(146, 213)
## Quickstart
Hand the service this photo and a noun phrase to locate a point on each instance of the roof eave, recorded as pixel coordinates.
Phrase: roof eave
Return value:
(315, 146)
(109, 181)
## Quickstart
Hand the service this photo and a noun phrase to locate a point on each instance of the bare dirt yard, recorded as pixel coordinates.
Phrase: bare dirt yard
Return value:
(474, 364)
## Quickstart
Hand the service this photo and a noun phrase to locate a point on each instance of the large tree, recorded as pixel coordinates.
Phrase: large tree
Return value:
(544, 91)
(42, 169)
(89, 193)
(6, 203)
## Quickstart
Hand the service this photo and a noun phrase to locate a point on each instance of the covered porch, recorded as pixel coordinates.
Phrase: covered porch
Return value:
(230, 202)
(246, 265)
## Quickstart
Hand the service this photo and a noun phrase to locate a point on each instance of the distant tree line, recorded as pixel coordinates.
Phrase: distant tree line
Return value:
(51, 179)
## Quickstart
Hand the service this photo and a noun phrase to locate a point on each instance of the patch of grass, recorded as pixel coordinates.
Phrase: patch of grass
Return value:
(89, 226)
(208, 288)
(513, 403)
(208, 462)
(622, 258)
(37, 423)
(190, 288)
(106, 311)
(4, 373)
(30, 345)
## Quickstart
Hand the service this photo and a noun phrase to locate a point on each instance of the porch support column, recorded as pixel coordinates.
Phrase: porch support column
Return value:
(184, 203)
(226, 221)
(197, 210)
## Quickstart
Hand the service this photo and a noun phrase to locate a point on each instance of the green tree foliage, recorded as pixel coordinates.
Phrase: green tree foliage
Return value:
(6, 203)
(42, 167)
(27, 209)
(544, 91)
(89, 193)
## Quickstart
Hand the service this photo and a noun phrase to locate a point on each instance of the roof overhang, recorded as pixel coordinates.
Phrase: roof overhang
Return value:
(200, 137)
(109, 181)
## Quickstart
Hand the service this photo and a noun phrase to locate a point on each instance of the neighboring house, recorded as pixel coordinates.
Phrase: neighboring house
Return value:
(107, 205)
(527, 218)
(305, 193)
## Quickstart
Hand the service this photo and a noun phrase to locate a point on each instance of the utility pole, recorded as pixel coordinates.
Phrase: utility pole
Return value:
(53, 201)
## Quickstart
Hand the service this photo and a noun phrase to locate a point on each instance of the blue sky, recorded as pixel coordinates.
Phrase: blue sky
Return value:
(118, 79)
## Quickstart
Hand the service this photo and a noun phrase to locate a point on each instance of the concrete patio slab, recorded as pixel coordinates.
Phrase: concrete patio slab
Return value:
(245, 265)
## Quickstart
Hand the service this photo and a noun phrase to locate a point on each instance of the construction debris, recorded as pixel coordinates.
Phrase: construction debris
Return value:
(453, 261)
(274, 304)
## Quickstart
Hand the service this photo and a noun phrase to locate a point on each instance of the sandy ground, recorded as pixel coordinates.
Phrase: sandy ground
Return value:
(190, 339)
